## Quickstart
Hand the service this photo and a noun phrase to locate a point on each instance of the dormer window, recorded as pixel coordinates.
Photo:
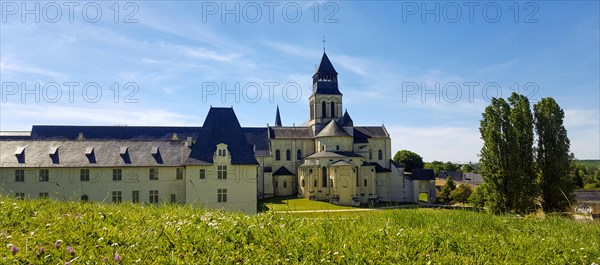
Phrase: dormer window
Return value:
(155, 151)
(20, 154)
(124, 153)
(53, 153)
(89, 153)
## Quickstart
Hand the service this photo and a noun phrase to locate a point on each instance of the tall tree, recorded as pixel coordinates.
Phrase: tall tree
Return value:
(496, 133)
(553, 156)
(521, 156)
(409, 159)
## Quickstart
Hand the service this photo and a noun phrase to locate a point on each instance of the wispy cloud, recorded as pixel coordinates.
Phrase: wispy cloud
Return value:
(12, 67)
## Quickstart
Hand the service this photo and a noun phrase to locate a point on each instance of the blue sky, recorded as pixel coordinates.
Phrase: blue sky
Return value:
(172, 60)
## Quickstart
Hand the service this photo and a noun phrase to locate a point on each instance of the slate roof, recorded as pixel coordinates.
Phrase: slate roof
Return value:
(422, 174)
(290, 133)
(346, 120)
(325, 78)
(72, 153)
(456, 176)
(259, 138)
(342, 163)
(363, 133)
(277, 118)
(332, 129)
(378, 167)
(334, 155)
(57, 132)
(221, 126)
(14, 135)
(283, 171)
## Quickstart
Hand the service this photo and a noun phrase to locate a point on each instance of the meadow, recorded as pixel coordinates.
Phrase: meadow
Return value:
(55, 232)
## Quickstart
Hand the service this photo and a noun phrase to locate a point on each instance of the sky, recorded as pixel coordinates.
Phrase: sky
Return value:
(426, 70)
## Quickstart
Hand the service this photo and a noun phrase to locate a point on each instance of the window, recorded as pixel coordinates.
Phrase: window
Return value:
(315, 183)
(303, 183)
(153, 173)
(222, 172)
(135, 196)
(370, 155)
(202, 173)
(179, 173)
(284, 184)
(153, 196)
(276, 184)
(19, 175)
(298, 154)
(324, 177)
(43, 195)
(323, 109)
(173, 198)
(337, 148)
(84, 175)
(288, 155)
(332, 105)
(277, 155)
(365, 182)
(380, 154)
(222, 152)
(44, 175)
(117, 174)
(20, 195)
(116, 196)
(221, 195)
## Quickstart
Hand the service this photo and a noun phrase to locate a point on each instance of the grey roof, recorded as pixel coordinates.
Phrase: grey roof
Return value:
(283, 171)
(333, 155)
(457, 176)
(290, 133)
(325, 78)
(14, 135)
(342, 163)
(378, 167)
(277, 118)
(346, 120)
(363, 133)
(259, 139)
(58, 132)
(422, 174)
(332, 129)
(72, 153)
(221, 126)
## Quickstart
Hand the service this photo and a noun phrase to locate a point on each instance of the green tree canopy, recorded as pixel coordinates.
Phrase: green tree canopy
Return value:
(409, 159)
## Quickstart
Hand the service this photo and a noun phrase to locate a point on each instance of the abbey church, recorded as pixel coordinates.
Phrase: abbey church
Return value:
(220, 165)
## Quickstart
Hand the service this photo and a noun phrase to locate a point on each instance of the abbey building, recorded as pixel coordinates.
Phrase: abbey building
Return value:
(220, 165)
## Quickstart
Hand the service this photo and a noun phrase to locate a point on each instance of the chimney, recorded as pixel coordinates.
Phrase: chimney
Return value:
(188, 141)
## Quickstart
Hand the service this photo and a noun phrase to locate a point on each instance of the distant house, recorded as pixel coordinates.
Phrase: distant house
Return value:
(456, 176)
(473, 178)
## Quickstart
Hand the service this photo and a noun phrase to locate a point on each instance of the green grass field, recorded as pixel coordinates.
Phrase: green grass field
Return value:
(177, 234)
(293, 203)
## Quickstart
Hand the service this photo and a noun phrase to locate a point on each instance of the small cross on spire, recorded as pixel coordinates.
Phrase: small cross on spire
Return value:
(323, 43)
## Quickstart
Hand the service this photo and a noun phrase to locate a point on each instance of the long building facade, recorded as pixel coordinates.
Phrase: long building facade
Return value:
(220, 165)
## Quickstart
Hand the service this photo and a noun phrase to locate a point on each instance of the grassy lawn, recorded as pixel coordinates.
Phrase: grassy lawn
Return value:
(293, 203)
(53, 232)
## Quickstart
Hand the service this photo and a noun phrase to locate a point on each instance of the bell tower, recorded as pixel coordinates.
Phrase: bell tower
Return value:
(326, 99)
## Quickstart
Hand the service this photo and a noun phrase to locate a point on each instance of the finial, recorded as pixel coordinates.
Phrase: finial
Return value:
(323, 43)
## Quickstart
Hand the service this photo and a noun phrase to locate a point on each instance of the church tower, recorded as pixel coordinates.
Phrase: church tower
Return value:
(326, 99)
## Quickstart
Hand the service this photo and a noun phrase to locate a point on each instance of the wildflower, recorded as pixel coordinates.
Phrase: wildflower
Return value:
(105, 259)
(42, 250)
(117, 257)
(57, 243)
(70, 250)
(14, 249)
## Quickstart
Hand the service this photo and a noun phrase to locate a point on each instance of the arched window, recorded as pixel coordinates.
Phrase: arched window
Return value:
(370, 155)
(324, 177)
(303, 183)
(277, 155)
(332, 106)
(288, 155)
(365, 181)
(315, 184)
(312, 110)
(284, 184)
(323, 109)
(337, 148)
(298, 154)
(380, 154)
